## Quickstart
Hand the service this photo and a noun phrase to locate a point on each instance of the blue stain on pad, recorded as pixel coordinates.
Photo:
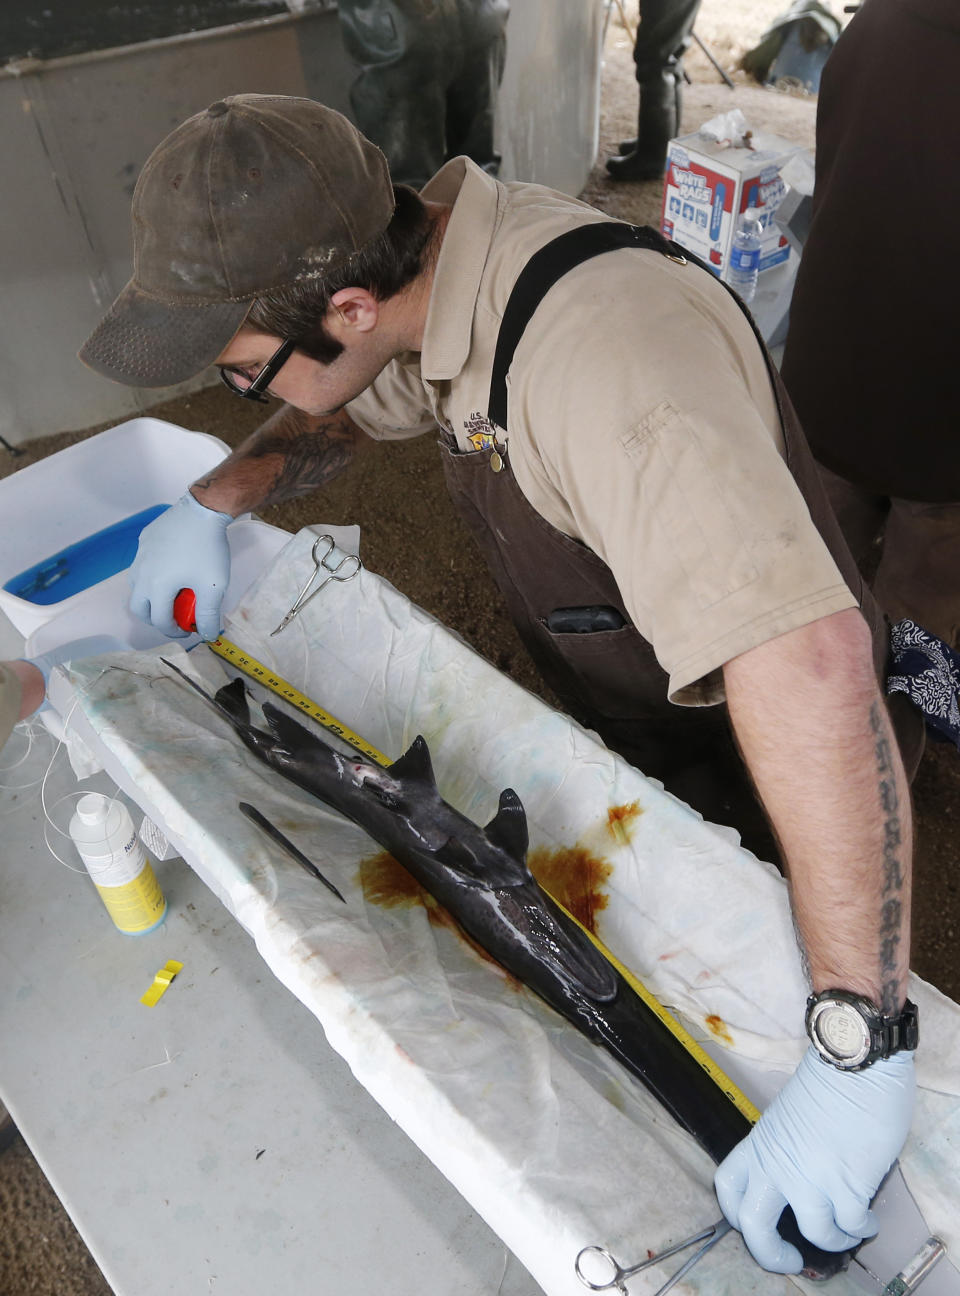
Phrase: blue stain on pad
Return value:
(85, 563)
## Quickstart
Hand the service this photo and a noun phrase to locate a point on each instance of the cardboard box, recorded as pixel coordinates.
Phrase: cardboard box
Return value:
(707, 187)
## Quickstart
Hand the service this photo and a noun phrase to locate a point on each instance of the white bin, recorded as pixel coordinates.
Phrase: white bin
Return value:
(92, 485)
(87, 487)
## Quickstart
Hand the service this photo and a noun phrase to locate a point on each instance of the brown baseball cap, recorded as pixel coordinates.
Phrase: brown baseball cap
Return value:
(252, 194)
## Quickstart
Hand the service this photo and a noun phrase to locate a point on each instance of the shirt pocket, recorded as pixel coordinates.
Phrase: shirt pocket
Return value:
(688, 503)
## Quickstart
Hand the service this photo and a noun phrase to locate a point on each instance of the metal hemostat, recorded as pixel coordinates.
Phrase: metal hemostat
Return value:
(618, 1275)
(326, 573)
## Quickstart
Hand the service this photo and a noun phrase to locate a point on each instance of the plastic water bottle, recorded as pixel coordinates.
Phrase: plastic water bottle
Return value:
(113, 854)
(745, 254)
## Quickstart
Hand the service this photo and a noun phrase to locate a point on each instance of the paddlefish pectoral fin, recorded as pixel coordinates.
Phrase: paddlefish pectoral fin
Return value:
(488, 871)
(291, 734)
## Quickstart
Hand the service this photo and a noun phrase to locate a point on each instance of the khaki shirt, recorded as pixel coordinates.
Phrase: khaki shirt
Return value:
(9, 702)
(642, 422)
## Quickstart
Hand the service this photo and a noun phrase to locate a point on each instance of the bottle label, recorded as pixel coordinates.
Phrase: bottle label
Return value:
(119, 868)
(746, 259)
(137, 905)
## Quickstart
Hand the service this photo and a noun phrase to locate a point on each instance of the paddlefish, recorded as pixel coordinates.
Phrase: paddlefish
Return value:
(481, 877)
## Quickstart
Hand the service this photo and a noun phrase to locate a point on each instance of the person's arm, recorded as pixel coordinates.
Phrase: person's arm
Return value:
(186, 547)
(23, 682)
(816, 738)
(292, 454)
(815, 735)
(33, 686)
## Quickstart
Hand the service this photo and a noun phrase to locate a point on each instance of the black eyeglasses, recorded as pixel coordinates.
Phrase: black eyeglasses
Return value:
(255, 387)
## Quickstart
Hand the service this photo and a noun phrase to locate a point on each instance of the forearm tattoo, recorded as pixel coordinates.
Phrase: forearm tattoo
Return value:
(307, 462)
(291, 458)
(891, 911)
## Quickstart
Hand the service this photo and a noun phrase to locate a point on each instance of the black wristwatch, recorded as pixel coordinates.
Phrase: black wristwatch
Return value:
(850, 1032)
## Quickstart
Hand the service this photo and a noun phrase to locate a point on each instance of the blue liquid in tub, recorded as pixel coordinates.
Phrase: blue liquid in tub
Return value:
(85, 563)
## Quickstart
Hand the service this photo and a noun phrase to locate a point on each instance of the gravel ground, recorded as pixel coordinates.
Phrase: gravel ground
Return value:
(411, 536)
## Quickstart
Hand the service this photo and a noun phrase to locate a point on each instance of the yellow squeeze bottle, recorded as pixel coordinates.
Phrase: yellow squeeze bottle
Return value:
(113, 854)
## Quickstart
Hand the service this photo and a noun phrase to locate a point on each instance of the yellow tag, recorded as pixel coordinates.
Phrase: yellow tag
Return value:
(161, 982)
(263, 675)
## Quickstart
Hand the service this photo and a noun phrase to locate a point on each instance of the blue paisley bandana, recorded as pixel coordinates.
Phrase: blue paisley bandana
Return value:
(928, 671)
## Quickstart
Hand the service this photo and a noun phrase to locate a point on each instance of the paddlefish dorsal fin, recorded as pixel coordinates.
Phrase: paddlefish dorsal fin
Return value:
(415, 765)
(507, 830)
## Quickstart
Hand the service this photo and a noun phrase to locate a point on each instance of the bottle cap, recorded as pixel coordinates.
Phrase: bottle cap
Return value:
(92, 808)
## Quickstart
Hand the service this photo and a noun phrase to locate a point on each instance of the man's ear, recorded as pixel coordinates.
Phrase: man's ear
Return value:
(354, 308)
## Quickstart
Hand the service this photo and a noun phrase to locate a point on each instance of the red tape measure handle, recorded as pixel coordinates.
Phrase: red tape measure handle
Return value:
(185, 610)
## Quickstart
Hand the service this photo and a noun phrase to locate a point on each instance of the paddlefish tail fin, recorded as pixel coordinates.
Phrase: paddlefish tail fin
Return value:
(230, 700)
(231, 703)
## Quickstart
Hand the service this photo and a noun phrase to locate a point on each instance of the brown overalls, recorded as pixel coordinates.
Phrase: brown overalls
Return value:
(610, 679)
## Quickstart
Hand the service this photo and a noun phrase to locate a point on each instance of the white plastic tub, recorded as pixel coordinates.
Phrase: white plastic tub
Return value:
(71, 495)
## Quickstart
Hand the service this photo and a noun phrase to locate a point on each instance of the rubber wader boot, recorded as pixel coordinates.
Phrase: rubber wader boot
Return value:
(658, 121)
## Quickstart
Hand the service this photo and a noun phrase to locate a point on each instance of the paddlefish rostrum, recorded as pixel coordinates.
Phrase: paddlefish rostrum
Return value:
(481, 878)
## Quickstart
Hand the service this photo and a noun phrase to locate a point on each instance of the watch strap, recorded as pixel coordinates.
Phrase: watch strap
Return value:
(903, 1031)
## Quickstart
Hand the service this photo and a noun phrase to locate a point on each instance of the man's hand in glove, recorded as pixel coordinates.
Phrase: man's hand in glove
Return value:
(185, 547)
(823, 1146)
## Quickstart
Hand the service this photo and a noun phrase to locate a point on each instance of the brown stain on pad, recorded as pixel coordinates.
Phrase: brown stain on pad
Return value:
(573, 877)
(621, 818)
(718, 1027)
(387, 883)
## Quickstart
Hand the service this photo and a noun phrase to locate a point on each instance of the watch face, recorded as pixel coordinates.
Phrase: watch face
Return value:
(842, 1031)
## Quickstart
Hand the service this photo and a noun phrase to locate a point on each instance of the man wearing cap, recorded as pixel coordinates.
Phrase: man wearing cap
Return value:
(638, 483)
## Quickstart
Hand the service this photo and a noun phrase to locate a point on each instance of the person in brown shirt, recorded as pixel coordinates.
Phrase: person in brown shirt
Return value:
(641, 490)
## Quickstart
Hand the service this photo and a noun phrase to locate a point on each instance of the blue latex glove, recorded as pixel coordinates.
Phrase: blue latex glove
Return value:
(823, 1146)
(184, 548)
(75, 650)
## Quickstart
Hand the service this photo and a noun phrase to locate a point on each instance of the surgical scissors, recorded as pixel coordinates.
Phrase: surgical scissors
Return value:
(322, 568)
(619, 1275)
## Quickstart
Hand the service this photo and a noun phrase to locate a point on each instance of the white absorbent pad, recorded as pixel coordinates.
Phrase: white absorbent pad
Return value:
(547, 1137)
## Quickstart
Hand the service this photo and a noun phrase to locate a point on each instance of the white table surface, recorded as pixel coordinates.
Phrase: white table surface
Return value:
(214, 1143)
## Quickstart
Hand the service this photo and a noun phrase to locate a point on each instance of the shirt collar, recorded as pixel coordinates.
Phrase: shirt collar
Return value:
(475, 196)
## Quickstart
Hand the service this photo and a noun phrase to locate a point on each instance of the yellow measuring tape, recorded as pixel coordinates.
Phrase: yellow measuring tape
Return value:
(269, 679)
